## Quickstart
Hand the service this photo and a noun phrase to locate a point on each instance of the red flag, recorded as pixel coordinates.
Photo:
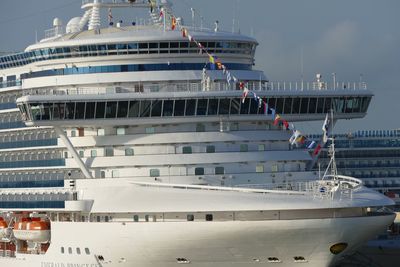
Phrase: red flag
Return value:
(317, 149)
(286, 124)
(277, 119)
(241, 85)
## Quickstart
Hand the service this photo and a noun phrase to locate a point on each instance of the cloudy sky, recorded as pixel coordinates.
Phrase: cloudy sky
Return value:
(351, 38)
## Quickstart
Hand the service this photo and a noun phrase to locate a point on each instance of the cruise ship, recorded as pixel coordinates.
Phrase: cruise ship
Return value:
(154, 143)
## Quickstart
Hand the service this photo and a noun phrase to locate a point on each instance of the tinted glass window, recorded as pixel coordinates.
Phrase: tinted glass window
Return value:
(235, 106)
(70, 111)
(145, 106)
(179, 108)
(111, 110)
(122, 109)
(100, 108)
(213, 107)
(202, 107)
(90, 106)
(134, 109)
(168, 108)
(156, 108)
(190, 107)
(80, 110)
(224, 105)
(244, 108)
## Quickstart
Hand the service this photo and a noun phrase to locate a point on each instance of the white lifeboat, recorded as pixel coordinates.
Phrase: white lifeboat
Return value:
(32, 229)
(3, 228)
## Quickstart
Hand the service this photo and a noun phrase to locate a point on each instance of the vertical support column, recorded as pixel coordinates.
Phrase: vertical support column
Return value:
(72, 150)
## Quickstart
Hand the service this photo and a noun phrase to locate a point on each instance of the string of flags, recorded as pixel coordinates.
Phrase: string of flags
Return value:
(297, 139)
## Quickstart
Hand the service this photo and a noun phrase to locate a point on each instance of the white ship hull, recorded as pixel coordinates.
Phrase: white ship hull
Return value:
(237, 243)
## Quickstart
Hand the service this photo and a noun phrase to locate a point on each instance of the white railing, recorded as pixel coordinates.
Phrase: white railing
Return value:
(186, 87)
(315, 86)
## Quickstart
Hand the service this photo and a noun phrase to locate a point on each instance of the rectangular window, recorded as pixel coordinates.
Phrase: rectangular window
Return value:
(100, 108)
(129, 151)
(150, 130)
(261, 147)
(93, 153)
(168, 108)
(274, 168)
(81, 153)
(145, 108)
(156, 108)
(260, 168)
(89, 111)
(209, 217)
(244, 148)
(200, 127)
(134, 109)
(179, 108)
(101, 132)
(199, 171)
(109, 152)
(187, 150)
(115, 174)
(202, 107)
(111, 110)
(210, 149)
(212, 107)
(122, 109)
(154, 172)
(219, 170)
(190, 109)
(121, 131)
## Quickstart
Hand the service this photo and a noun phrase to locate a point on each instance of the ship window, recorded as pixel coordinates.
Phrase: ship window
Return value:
(122, 109)
(80, 110)
(199, 171)
(101, 132)
(87, 251)
(219, 170)
(209, 217)
(146, 218)
(59, 109)
(328, 105)
(70, 111)
(190, 109)
(90, 108)
(145, 107)
(287, 106)
(134, 109)
(244, 108)
(304, 105)
(154, 172)
(320, 105)
(210, 149)
(279, 105)
(121, 131)
(168, 108)
(156, 108)
(100, 108)
(190, 217)
(109, 152)
(62, 250)
(114, 174)
(253, 106)
(261, 147)
(149, 130)
(296, 106)
(81, 153)
(200, 127)
(213, 107)
(313, 105)
(174, 45)
(274, 168)
(93, 153)
(129, 152)
(164, 45)
(244, 148)
(70, 250)
(202, 107)
(111, 110)
(78, 251)
(143, 45)
(135, 218)
(187, 150)
(260, 168)
(179, 108)
(235, 106)
(224, 106)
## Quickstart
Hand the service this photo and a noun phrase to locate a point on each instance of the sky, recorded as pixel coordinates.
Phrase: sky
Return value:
(297, 38)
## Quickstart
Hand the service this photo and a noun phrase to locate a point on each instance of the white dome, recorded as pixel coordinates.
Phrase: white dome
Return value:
(73, 25)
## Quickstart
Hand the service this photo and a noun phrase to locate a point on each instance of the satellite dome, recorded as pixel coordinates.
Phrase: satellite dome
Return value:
(73, 25)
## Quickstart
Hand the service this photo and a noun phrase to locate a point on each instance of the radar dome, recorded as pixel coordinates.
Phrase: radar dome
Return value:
(73, 25)
(57, 22)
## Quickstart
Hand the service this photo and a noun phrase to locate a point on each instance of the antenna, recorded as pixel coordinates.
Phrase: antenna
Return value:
(193, 16)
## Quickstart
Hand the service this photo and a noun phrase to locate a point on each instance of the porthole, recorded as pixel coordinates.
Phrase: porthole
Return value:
(182, 261)
(338, 248)
(209, 217)
(299, 259)
(273, 260)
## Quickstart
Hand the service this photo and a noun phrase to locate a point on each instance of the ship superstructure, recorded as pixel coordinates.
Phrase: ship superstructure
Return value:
(126, 132)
